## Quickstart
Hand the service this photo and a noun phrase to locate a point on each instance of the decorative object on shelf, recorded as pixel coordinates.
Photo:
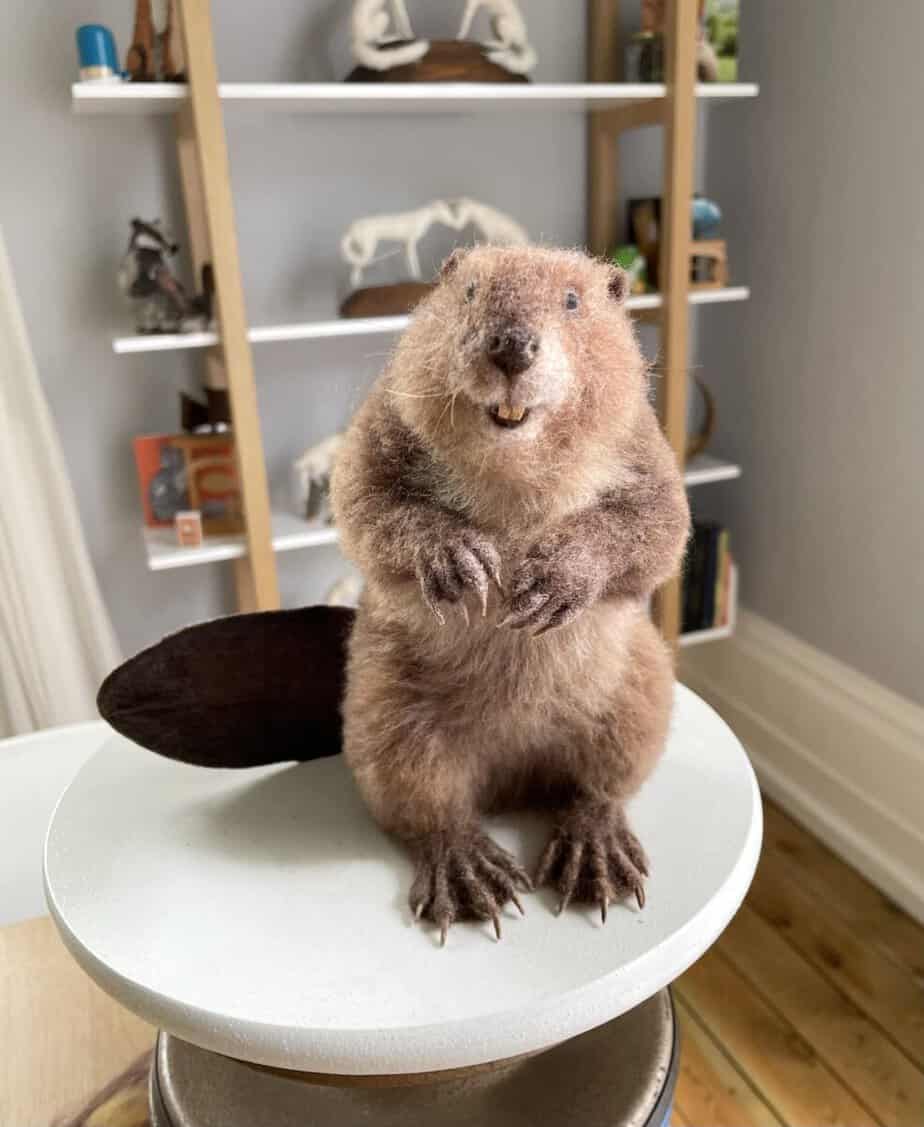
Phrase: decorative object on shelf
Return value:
(708, 264)
(178, 472)
(156, 51)
(97, 55)
(359, 245)
(375, 46)
(345, 592)
(161, 303)
(211, 417)
(721, 24)
(510, 47)
(311, 480)
(188, 525)
(644, 56)
(709, 579)
(160, 477)
(700, 439)
(707, 216)
(631, 259)
(708, 256)
(385, 49)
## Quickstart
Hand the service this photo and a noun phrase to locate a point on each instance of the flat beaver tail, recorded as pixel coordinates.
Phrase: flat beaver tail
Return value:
(242, 691)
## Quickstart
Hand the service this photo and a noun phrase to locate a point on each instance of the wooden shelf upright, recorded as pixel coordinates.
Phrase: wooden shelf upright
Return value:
(676, 113)
(206, 180)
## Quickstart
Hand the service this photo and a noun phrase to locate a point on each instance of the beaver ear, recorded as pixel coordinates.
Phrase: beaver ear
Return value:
(452, 263)
(618, 284)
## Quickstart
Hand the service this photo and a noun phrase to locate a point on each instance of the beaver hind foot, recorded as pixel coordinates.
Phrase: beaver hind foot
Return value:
(594, 857)
(463, 874)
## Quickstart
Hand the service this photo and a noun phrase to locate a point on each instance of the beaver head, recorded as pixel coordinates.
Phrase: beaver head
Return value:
(518, 354)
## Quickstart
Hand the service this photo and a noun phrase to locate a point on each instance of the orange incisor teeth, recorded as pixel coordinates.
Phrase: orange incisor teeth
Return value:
(503, 411)
(517, 413)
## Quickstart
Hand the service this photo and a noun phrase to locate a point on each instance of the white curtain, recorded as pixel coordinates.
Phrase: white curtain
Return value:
(56, 639)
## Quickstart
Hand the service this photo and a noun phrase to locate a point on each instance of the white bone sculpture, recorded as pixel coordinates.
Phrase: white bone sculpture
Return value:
(370, 33)
(510, 47)
(360, 243)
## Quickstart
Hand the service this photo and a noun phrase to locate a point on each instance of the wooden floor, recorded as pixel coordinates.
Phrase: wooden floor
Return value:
(810, 1008)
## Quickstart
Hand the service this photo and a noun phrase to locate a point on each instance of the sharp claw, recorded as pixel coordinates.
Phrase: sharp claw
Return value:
(464, 609)
(561, 907)
(444, 929)
(418, 912)
(603, 911)
(516, 901)
(640, 895)
(497, 927)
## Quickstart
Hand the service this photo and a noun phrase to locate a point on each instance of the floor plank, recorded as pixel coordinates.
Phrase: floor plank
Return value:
(63, 1039)
(710, 1091)
(780, 1063)
(827, 877)
(854, 1048)
(886, 992)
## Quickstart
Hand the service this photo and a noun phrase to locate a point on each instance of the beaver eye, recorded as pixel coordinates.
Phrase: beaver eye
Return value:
(470, 292)
(572, 301)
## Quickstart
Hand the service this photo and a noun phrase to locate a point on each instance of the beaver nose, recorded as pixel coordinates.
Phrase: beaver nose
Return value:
(513, 349)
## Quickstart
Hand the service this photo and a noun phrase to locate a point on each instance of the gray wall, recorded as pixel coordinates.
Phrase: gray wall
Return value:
(821, 182)
(70, 184)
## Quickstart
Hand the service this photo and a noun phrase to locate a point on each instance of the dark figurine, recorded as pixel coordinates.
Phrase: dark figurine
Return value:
(156, 52)
(161, 303)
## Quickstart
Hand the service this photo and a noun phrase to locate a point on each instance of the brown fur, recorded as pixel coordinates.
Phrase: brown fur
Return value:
(502, 652)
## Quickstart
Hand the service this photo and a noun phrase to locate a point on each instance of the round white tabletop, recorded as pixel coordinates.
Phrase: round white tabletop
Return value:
(263, 915)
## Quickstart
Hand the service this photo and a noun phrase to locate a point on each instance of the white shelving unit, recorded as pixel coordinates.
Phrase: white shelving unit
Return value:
(363, 326)
(705, 469)
(335, 98)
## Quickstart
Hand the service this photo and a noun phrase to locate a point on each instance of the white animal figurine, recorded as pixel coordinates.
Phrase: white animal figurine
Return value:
(311, 474)
(510, 47)
(359, 244)
(370, 33)
(495, 227)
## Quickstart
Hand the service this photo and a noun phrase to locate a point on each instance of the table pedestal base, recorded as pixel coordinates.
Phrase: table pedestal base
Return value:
(620, 1075)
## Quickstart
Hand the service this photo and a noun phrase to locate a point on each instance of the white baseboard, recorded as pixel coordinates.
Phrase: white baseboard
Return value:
(841, 753)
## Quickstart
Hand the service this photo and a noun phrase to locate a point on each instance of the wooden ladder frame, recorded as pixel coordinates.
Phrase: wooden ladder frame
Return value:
(676, 113)
(206, 181)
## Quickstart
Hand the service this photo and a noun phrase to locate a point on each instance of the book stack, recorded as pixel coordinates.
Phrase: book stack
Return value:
(710, 579)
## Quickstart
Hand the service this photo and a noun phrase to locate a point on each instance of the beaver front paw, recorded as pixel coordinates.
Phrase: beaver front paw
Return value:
(464, 875)
(461, 561)
(557, 580)
(594, 857)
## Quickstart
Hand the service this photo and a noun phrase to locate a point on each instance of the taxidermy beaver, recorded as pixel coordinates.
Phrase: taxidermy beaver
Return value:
(512, 504)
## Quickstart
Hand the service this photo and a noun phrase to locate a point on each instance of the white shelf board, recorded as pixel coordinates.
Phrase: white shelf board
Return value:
(364, 326)
(430, 97)
(265, 334)
(704, 469)
(698, 637)
(289, 533)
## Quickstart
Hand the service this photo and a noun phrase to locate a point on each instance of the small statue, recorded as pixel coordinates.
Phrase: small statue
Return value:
(359, 244)
(311, 476)
(361, 240)
(510, 47)
(156, 53)
(372, 44)
(161, 303)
